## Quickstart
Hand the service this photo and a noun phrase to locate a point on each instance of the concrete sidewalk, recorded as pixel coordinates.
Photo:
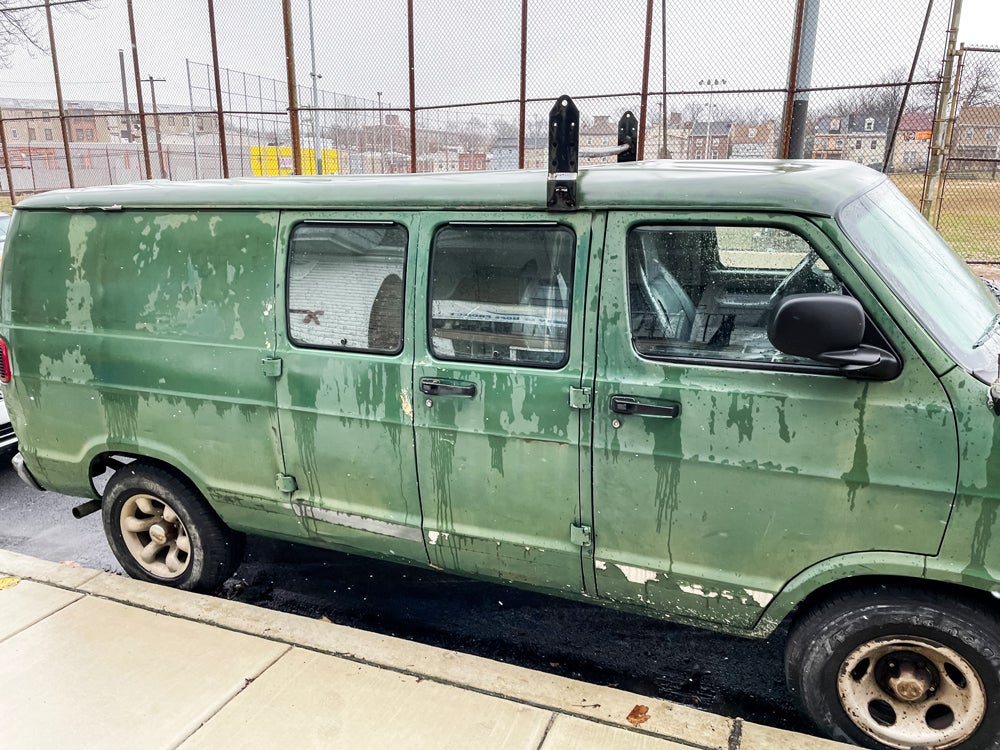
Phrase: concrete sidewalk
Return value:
(89, 659)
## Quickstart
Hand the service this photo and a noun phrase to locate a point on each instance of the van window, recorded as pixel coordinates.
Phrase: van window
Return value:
(501, 293)
(706, 292)
(345, 286)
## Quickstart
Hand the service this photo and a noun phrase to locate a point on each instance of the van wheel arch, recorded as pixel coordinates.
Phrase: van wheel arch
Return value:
(162, 530)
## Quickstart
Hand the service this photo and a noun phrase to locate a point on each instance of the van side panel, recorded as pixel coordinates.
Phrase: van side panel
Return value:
(143, 332)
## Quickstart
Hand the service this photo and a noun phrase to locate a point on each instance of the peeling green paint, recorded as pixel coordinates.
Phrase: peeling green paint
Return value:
(857, 477)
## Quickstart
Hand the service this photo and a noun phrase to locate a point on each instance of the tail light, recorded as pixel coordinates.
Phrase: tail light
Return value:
(5, 371)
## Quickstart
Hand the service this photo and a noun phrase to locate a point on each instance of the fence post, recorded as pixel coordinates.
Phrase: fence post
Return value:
(413, 89)
(138, 93)
(641, 145)
(939, 133)
(218, 91)
(59, 96)
(890, 145)
(522, 105)
(293, 101)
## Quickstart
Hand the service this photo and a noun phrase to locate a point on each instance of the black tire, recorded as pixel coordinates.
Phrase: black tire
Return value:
(899, 667)
(163, 531)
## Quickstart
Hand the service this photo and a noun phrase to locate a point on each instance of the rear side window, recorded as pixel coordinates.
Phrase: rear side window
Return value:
(345, 286)
(501, 294)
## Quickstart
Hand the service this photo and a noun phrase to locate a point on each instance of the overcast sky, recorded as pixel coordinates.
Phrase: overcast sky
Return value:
(468, 51)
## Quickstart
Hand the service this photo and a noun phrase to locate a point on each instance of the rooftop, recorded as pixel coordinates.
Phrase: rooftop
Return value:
(809, 187)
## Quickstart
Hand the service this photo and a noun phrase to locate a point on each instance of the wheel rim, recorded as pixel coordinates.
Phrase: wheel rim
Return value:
(907, 692)
(155, 536)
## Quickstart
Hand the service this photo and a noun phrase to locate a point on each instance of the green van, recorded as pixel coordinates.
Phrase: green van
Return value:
(725, 393)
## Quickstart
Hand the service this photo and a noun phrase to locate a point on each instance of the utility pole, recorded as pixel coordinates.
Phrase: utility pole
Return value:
(711, 83)
(800, 76)
(317, 156)
(156, 123)
(128, 115)
(381, 132)
(194, 123)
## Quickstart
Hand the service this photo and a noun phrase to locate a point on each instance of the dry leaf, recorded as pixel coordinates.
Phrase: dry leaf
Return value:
(638, 715)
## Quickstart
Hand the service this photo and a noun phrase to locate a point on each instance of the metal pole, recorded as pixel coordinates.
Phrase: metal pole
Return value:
(6, 159)
(641, 145)
(711, 83)
(890, 145)
(59, 96)
(194, 129)
(708, 130)
(950, 136)
(664, 150)
(138, 93)
(315, 92)
(803, 79)
(220, 115)
(156, 124)
(293, 102)
(218, 89)
(524, 89)
(128, 116)
(381, 133)
(413, 90)
(793, 72)
(939, 132)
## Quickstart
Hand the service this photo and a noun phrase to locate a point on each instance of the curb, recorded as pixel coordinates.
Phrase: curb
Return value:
(603, 705)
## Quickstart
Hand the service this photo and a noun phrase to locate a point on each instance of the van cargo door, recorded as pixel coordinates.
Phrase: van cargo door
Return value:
(344, 386)
(499, 352)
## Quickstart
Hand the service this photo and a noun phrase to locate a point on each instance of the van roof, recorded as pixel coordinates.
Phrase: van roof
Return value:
(809, 187)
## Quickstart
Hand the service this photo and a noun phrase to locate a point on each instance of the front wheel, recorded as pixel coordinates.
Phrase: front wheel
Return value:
(899, 668)
(162, 530)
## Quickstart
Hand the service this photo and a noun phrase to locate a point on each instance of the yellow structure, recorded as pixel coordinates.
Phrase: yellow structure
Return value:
(277, 161)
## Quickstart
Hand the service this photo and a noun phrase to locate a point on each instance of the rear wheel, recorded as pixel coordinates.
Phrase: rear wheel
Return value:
(162, 530)
(899, 668)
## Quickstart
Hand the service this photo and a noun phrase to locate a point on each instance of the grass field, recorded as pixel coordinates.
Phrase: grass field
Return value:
(970, 214)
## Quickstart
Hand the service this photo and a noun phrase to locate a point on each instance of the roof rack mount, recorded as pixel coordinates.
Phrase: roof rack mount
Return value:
(564, 151)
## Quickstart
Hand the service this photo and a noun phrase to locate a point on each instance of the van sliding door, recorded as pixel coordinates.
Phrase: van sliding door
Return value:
(499, 342)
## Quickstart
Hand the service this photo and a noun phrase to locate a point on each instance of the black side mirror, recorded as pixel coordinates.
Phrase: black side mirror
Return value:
(829, 328)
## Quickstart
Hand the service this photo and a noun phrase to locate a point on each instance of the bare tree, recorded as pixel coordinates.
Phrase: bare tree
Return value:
(22, 25)
(980, 86)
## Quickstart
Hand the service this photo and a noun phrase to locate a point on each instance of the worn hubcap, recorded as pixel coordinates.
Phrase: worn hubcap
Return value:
(155, 536)
(911, 693)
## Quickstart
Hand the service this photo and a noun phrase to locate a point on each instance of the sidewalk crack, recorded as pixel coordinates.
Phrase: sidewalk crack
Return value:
(736, 736)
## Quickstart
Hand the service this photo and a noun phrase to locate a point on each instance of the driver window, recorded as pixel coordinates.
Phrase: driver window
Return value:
(707, 291)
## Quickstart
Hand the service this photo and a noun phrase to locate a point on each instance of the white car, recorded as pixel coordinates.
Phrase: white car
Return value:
(8, 440)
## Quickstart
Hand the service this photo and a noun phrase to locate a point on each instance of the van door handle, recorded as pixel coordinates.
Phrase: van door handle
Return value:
(438, 387)
(630, 405)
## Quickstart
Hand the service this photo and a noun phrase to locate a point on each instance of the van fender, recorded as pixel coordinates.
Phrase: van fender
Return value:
(865, 568)
(158, 452)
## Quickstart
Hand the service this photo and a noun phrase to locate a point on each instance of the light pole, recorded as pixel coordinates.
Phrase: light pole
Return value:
(711, 83)
(664, 151)
(156, 123)
(317, 156)
(381, 133)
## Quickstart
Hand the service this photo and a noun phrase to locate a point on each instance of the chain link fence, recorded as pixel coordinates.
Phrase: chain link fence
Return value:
(969, 211)
(120, 90)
